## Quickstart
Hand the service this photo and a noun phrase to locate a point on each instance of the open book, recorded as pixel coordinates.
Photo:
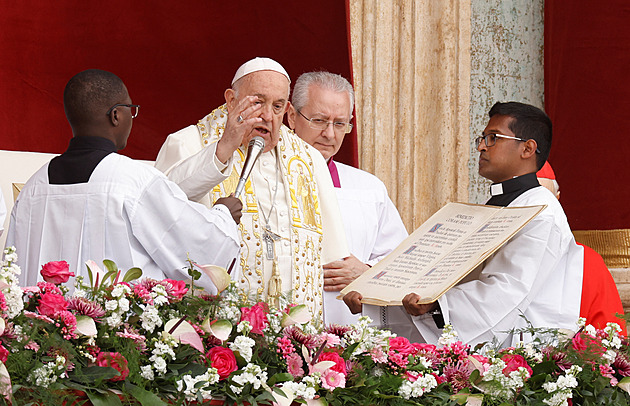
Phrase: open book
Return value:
(441, 252)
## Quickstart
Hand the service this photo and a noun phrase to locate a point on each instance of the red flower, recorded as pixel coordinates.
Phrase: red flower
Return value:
(340, 363)
(402, 346)
(584, 342)
(4, 353)
(56, 272)
(116, 361)
(177, 289)
(424, 347)
(223, 360)
(256, 316)
(513, 362)
(51, 303)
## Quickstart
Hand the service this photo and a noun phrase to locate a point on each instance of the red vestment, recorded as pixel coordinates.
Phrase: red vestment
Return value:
(600, 298)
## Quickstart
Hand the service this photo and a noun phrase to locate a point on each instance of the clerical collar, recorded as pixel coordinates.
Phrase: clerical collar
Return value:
(79, 161)
(505, 192)
(334, 173)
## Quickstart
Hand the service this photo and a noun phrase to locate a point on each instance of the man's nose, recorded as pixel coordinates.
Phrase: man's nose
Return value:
(329, 132)
(266, 112)
(482, 145)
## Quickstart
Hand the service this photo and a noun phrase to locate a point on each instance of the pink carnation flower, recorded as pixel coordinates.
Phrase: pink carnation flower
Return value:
(143, 293)
(32, 315)
(378, 355)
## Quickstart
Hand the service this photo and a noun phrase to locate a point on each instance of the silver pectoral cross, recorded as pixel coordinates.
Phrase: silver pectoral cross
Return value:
(269, 237)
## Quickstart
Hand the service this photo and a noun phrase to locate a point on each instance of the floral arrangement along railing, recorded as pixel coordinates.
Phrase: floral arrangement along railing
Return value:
(120, 339)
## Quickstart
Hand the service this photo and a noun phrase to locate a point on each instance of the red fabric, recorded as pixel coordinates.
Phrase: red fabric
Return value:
(600, 298)
(176, 58)
(546, 172)
(587, 96)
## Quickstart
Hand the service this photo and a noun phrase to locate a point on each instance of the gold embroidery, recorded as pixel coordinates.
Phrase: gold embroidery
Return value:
(304, 217)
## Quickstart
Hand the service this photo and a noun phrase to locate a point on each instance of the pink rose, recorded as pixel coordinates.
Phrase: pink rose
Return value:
(481, 358)
(584, 342)
(116, 361)
(56, 272)
(513, 362)
(178, 288)
(223, 360)
(4, 353)
(424, 347)
(51, 303)
(340, 363)
(256, 316)
(402, 346)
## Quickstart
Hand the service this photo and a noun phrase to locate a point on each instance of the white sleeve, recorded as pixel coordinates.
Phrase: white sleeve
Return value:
(193, 168)
(488, 307)
(171, 228)
(391, 231)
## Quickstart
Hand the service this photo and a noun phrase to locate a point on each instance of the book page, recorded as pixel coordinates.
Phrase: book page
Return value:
(441, 252)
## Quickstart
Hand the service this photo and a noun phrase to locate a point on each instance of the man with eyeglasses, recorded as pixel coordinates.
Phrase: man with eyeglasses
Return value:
(538, 273)
(320, 114)
(91, 203)
(291, 223)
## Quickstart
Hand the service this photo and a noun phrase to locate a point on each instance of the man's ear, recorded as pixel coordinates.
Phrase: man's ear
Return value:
(291, 115)
(113, 117)
(530, 149)
(230, 99)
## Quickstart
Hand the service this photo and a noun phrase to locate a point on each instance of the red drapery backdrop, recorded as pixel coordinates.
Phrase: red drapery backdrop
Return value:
(176, 59)
(587, 96)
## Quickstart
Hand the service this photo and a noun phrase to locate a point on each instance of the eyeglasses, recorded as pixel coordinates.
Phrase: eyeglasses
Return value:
(319, 124)
(491, 139)
(135, 109)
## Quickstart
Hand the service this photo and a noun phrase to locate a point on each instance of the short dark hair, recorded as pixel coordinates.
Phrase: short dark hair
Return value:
(528, 122)
(90, 93)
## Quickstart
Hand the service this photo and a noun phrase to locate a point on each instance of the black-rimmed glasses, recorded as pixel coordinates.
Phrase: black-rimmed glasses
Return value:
(491, 139)
(135, 109)
(321, 125)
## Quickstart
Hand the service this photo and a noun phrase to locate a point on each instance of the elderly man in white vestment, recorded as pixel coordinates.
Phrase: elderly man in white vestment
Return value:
(320, 114)
(91, 203)
(291, 223)
(537, 273)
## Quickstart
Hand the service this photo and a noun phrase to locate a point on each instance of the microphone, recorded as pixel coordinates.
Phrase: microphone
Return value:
(256, 145)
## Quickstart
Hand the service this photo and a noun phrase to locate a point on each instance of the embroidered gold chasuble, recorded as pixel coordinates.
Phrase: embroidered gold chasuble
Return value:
(293, 212)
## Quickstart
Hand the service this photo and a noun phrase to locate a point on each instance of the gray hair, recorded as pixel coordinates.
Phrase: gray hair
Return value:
(326, 80)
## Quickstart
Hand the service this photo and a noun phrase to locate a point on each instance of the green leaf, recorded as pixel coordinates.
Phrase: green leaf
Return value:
(110, 265)
(91, 276)
(93, 374)
(279, 377)
(99, 399)
(143, 396)
(132, 274)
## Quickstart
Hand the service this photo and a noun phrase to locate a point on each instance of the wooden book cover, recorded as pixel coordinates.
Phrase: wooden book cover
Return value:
(441, 252)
